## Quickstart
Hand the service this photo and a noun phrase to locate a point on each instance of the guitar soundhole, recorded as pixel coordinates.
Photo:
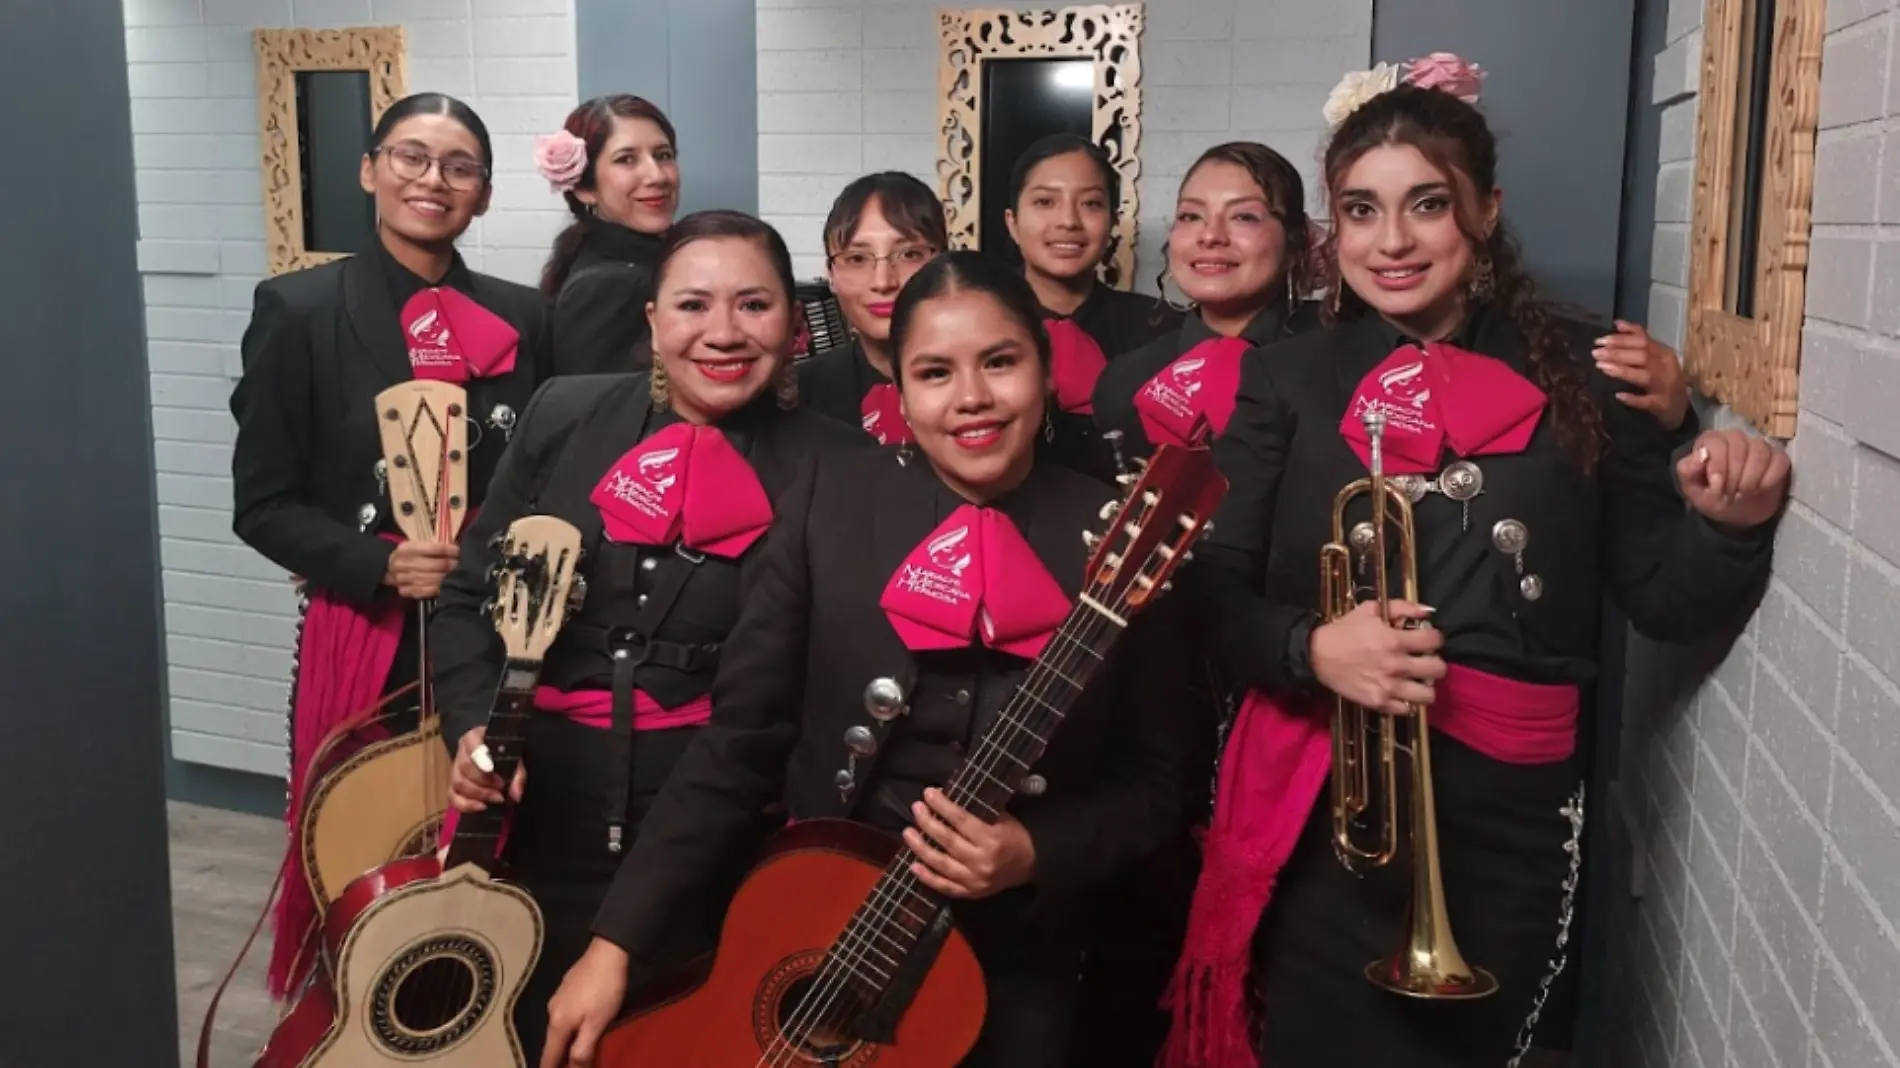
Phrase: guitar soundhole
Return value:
(803, 1013)
(433, 995)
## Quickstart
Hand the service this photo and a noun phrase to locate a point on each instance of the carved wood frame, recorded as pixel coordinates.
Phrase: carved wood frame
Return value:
(1111, 35)
(379, 51)
(1753, 365)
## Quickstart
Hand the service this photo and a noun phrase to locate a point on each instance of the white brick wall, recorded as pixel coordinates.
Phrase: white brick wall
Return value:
(229, 613)
(849, 86)
(1764, 801)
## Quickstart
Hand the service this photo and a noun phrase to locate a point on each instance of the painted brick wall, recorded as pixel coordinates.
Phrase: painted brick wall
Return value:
(229, 613)
(846, 88)
(1763, 793)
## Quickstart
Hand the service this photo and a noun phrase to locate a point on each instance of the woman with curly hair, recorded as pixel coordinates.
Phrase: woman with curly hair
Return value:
(1538, 489)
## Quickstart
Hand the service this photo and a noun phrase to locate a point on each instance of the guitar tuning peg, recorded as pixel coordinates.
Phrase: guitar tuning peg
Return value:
(1168, 585)
(576, 593)
(1127, 478)
(1188, 556)
(1090, 540)
(1108, 510)
(497, 540)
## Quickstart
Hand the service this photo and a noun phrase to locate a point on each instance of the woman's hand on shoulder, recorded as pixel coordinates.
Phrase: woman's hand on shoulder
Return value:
(1630, 355)
(1735, 479)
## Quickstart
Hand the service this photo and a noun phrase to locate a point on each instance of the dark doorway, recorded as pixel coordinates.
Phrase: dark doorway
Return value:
(333, 132)
(1025, 100)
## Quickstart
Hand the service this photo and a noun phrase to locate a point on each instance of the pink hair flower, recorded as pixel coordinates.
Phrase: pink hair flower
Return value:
(561, 158)
(1447, 73)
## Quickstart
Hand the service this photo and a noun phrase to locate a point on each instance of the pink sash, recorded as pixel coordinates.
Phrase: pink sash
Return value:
(343, 658)
(1276, 763)
(594, 708)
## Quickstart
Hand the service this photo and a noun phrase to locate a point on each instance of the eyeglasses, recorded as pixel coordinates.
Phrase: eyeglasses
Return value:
(861, 262)
(410, 164)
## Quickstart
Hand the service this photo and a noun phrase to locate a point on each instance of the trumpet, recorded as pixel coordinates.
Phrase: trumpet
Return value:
(1428, 964)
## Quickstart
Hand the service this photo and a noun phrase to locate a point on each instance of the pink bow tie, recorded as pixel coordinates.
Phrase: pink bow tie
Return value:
(975, 579)
(451, 338)
(1193, 397)
(687, 484)
(884, 416)
(1075, 362)
(1437, 396)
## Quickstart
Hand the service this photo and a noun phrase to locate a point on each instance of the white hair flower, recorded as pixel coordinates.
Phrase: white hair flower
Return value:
(1356, 88)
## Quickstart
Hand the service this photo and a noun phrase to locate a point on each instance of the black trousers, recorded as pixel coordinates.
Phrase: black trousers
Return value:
(557, 851)
(1032, 969)
(1502, 838)
(1137, 923)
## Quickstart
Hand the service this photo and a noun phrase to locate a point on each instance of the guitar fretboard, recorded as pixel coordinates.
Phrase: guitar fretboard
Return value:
(899, 909)
(478, 834)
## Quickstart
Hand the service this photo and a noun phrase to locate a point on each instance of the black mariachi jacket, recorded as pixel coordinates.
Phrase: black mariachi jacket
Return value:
(1624, 530)
(573, 431)
(322, 343)
(1121, 321)
(810, 638)
(600, 314)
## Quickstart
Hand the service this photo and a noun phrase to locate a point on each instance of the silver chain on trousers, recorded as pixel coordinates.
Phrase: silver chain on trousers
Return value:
(290, 712)
(1574, 813)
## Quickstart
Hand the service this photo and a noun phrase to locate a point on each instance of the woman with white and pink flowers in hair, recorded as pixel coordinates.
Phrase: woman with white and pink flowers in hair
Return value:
(1548, 468)
(616, 164)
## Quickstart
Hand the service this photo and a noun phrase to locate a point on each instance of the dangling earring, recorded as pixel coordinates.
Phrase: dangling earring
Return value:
(1161, 286)
(1292, 294)
(1048, 422)
(1484, 278)
(903, 453)
(656, 384)
(785, 385)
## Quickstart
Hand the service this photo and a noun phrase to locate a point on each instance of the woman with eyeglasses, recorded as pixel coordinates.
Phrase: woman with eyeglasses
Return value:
(308, 481)
(881, 230)
(615, 162)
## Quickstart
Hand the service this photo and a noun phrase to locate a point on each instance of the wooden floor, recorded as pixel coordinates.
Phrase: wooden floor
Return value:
(222, 867)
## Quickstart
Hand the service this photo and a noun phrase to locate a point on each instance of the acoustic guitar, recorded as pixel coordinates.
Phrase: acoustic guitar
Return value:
(832, 952)
(386, 800)
(424, 958)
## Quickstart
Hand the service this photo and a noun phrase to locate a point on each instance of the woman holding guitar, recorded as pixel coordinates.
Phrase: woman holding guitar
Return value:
(671, 477)
(934, 575)
(308, 476)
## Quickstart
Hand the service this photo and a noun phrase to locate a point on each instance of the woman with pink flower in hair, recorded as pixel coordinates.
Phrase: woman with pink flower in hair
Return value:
(1547, 470)
(616, 164)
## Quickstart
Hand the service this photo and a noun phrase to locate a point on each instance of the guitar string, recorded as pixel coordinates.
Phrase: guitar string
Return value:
(884, 900)
(1012, 724)
(853, 947)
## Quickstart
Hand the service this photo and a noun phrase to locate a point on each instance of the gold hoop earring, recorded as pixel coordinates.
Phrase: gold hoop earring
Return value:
(785, 385)
(657, 385)
(1161, 286)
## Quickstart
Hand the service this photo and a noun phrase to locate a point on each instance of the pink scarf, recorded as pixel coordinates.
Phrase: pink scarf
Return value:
(343, 658)
(1276, 763)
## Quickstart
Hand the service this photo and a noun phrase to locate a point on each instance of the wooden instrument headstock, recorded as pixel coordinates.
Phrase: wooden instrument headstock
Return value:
(534, 583)
(424, 427)
(1152, 529)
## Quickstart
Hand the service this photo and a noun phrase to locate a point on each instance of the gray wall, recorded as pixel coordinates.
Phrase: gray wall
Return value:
(1557, 97)
(86, 919)
(696, 59)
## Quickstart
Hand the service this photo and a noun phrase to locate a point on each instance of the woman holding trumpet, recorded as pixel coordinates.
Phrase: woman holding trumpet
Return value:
(1512, 486)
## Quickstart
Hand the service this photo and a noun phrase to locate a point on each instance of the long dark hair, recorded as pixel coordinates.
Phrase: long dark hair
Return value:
(1286, 199)
(593, 123)
(968, 271)
(1455, 138)
(436, 104)
(702, 225)
(906, 203)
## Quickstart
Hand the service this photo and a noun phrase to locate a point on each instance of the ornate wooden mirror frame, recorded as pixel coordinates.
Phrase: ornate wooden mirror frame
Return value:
(1750, 361)
(1111, 36)
(379, 51)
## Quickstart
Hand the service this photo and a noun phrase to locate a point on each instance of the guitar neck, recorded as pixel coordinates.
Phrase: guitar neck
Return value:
(900, 910)
(478, 834)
